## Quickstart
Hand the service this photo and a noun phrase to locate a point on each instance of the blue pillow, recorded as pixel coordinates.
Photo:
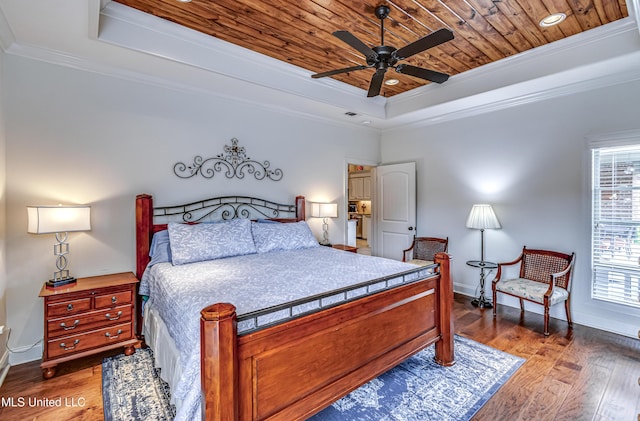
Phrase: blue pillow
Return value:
(195, 243)
(287, 236)
(160, 250)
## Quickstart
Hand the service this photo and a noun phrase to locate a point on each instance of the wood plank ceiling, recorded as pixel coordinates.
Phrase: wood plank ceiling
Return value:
(300, 32)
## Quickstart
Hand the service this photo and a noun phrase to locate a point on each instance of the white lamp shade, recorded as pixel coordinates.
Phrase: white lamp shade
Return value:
(482, 217)
(53, 219)
(324, 210)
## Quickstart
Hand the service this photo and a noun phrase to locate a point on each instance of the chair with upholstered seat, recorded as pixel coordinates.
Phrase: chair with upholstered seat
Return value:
(545, 279)
(423, 249)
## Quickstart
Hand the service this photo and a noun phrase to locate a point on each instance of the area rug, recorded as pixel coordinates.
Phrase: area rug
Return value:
(133, 390)
(421, 390)
(416, 390)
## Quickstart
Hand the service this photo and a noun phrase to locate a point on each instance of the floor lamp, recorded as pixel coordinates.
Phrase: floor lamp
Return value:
(482, 217)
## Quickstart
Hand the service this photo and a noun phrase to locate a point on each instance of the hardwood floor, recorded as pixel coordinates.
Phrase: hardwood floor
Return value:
(584, 374)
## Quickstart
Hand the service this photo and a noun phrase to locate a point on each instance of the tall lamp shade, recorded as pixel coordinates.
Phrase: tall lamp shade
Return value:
(482, 217)
(324, 211)
(59, 220)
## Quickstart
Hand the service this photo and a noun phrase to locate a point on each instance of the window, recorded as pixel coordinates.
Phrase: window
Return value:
(616, 224)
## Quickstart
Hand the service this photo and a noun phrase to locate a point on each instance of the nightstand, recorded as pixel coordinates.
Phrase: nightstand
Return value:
(345, 248)
(93, 315)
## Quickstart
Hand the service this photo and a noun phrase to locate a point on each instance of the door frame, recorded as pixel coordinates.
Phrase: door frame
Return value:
(373, 164)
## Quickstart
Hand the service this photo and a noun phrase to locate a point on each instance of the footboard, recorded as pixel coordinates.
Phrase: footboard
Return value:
(294, 369)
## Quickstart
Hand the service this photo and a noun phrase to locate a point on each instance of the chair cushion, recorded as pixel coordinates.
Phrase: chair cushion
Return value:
(531, 290)
(420, 262)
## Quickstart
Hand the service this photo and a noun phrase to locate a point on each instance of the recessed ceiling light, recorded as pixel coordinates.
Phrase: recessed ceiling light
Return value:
(553, 19)
(391, 82)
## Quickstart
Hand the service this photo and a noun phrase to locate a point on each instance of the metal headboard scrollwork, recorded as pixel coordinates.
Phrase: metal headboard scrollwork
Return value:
(234, 162)
(226, 208)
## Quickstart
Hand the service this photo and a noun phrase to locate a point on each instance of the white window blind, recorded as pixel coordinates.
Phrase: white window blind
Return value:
(616, 221)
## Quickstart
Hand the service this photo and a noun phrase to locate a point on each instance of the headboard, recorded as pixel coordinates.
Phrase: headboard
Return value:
(150, 220)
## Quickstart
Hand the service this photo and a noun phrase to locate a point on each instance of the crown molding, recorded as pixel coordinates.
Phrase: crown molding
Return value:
(509, 76)
(231, 94)
(598, 75)
(130, 28)
(185, 60)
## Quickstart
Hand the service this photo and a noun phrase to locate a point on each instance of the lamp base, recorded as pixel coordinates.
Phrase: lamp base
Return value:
(55, 283)
(482, 302)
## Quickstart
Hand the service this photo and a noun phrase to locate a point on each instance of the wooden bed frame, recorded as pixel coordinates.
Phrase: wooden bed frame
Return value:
(294, 369)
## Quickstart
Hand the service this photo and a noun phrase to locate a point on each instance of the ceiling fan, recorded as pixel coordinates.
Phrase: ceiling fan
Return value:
(384, 57)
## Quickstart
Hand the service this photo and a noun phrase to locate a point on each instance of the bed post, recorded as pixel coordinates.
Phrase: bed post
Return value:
(144, 231)
(218, 362)
(444, 347)
(300, 208)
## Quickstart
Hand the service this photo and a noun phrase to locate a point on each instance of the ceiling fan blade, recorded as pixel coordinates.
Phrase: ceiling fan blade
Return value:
(376, 83)
(426, 74)
(338, 71)
(435, 38)
(354, 42)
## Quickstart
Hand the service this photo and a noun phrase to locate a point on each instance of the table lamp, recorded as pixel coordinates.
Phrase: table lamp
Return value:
(324, 211)
(59, 220)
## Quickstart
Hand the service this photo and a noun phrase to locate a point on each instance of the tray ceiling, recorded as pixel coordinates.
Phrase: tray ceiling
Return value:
(300, 32)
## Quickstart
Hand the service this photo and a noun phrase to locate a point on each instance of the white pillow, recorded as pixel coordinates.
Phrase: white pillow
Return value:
(285, 236)
(195, 243)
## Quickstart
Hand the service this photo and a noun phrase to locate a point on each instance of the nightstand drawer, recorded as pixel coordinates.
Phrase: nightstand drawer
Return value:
(65, 308)
(111, 300)
(88, 321)
(93, 339)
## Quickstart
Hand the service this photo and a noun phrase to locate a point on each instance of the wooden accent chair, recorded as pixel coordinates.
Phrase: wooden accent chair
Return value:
(545, 278)
(424, 248)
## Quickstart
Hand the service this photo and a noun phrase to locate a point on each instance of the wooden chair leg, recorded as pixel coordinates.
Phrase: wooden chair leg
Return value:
(546, 320)
(521, 305)
(568, 311)
(495, 302)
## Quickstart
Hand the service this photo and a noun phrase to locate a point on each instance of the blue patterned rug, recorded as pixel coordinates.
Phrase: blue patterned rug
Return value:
(416, 390)
(419, 389)
(133, 390)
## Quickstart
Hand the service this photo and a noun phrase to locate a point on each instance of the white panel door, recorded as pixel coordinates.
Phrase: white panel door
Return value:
(395, 208)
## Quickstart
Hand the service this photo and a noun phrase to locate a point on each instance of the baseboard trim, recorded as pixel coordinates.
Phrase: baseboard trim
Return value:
(25, 354)
(4, 366)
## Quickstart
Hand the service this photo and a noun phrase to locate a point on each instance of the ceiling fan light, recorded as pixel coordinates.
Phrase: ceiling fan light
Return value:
(552, 19)
(391, 82)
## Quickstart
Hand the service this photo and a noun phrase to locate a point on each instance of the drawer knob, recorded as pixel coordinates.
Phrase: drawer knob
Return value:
(114, 299)
(69, 307)
(116, 317)
(65, 327)
(108, 335)
(68, 348)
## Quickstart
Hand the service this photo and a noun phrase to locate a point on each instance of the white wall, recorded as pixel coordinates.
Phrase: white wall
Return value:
(531, 163)
(3, 229)
(79, 137)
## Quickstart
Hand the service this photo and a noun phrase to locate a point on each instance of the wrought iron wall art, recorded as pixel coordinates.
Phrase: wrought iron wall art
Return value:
(234, 162)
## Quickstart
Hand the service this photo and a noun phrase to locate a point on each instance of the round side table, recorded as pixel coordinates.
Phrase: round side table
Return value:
(482, 301)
